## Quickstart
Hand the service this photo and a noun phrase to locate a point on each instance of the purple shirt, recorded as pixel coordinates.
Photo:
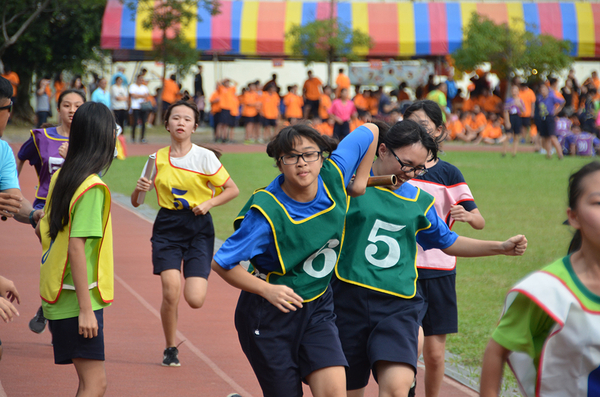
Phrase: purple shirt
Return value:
(584, 143)
(342, 111)
(41, 150)
(546, 105)
(512, 106)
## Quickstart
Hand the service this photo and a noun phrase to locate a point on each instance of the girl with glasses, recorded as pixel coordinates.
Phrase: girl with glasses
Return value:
(375, 291)
(292, 233)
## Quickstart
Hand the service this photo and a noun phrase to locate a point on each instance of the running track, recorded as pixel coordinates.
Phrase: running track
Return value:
(212, 361)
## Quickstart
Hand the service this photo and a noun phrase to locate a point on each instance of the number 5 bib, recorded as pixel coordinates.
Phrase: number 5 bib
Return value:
(308, 249)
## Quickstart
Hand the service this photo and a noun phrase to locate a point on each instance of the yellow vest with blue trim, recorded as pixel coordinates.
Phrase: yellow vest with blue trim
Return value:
(56, 252)
(181, 189)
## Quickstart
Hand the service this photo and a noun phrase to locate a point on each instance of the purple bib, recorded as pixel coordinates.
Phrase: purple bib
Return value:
(585, 144)
(47, 142)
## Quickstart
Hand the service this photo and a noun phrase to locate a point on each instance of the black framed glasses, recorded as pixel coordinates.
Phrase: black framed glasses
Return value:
(309, 157)
(9, 107)
(407, 168)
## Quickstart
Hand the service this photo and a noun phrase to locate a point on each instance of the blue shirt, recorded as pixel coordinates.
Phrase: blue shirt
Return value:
(8, 168)
(546, 105)
(101, 96)
(254, 238)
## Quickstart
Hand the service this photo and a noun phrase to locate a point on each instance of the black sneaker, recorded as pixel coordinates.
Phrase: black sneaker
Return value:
(413, 388)
(170, 357)
(234, 395)
(38, 323)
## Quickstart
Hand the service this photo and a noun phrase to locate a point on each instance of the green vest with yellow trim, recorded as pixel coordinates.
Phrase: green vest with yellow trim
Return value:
(56, 252)
(380, 252)
(308, 249)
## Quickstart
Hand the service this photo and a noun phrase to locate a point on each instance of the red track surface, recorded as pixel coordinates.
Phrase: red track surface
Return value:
(212, 361)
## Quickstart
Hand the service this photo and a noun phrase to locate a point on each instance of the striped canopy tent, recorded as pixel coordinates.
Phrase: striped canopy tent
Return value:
(399, 29)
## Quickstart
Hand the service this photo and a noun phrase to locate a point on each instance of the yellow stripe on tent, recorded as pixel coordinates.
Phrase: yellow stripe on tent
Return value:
(189, 31)
(466, 12)
(516, 19)
(293, 16)
(586, 34)
(143, 37)
(360, 21)
(407, 43)
(248, 31)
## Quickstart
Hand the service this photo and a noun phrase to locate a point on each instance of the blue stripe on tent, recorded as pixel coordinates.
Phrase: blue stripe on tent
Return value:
(532, 17)
(128, 28)
(236, 25)
(344, 13)
(455, 33)
(422, 32)
(203, 30)
(309, 13)
(569, 25)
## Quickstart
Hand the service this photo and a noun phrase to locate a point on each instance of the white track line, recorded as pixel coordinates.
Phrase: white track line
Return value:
(237, 388)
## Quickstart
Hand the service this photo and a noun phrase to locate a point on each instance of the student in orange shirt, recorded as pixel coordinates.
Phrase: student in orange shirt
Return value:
(325, 103)
(342, 81)
(324, 127)
(475, 123)
(11, 76)
(528, 97)
(215, 111)
(361, 101)
(250, 104)
(492, 132)
(59, 86)
(293, 105)
(355, 121)
(270, 112)
(455, 127)
(372, 103)
(490, 102)
(402, 94)
(229, 108)
(169, 92)
(312, 94)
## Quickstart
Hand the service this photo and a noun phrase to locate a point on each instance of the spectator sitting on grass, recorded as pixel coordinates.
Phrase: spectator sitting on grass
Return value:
(492, 133)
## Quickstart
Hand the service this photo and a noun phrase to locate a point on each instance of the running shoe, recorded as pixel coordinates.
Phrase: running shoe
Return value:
(170, 357)
(38, 323)
(234, 395)
(413, 388)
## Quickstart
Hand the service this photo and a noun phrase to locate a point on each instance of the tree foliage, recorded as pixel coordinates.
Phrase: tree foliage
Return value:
(327, 40)
(510, 49)
(62, 36)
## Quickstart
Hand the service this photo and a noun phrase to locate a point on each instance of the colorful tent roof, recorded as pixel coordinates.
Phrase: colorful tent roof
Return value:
(257, 28)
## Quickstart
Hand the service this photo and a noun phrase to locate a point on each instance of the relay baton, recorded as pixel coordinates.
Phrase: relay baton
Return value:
(147, 175)
(385, 180)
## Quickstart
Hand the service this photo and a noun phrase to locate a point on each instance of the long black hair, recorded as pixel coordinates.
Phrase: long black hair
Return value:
(406, 133)
(284, 142)
(575, 192)
(91, 150)
(433, 111)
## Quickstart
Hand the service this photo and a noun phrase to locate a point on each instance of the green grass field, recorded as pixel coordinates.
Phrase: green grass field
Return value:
(522, 195)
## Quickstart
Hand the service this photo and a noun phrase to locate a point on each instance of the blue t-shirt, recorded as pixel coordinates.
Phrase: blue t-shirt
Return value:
(254, 238)
(8, 168)
(546, 105)
(101, 96)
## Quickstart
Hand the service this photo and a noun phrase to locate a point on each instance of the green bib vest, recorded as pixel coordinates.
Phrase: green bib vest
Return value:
(380, 251)
(308, 249)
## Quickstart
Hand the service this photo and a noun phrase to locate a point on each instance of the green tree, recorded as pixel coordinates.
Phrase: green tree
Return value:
(61, 37)
(169, 16)
(328, 40)
(510, 49)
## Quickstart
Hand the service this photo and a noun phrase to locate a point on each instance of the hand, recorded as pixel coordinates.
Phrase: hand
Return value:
(515, 245)
(7, 310)
(63, 149)
(143, 184)
(203, 208)
(37, 215)
(10, 204)
(88, 324)
(282, 297)
(459, 213)
(8, 290)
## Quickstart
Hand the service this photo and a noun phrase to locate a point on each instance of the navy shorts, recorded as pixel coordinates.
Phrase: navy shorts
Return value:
(268, 122)
(515, 124)
(68, 344)
(526, 121)
(313, 106)
(284, 348)
(375, 327)
(547, 127)
(440, 314)
(226, 118)
(182, 236)
(247, 120)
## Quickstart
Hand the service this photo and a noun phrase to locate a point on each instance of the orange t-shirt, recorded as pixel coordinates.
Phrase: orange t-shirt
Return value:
(360, 102)
(324, 105)
(403, 96)
(170, 91)
(228, 97)
(490, 103)
(293, 106)
(342, 81)
(528, 97)
(325, 129)
(270, 105)
(312, 89)
(355, 123)
(468, 105)
(235, 106)
(14, 79)
(455, 128)
(215, 107)
(475, 122)
(250, 101)
(491, 131)
(59, 87)
(373, 104)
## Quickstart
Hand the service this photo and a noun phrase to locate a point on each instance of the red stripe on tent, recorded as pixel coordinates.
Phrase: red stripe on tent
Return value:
(221, 29)
(383, 28)
(596, 12)
(271, 24)
(111, 25)
(324, 10)
(550, 19)
(496, 12)
(438, 27)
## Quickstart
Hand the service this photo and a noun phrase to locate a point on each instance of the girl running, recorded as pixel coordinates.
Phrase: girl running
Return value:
(45, 150)
(76, 273)
(375, 291)
(437, 270)
(549, 331)
(189, 181)
(292, 232)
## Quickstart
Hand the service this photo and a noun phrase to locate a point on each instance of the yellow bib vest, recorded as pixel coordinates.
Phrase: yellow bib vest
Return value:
(56, 252)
